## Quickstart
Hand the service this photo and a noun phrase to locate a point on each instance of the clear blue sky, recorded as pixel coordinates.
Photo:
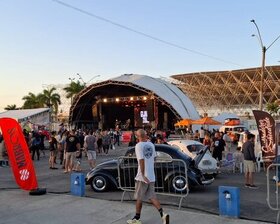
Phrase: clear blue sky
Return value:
(42, 42)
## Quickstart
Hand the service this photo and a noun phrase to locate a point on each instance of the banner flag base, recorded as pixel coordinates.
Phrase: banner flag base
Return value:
(38, 191)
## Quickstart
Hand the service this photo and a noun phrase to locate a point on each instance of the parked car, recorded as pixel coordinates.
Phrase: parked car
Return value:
(105, 175)
(207, 165)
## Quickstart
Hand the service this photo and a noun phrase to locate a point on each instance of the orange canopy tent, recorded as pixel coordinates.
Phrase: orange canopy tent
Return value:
(184, 122)
(206, 121)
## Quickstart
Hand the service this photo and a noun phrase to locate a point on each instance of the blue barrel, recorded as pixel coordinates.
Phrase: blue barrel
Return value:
(229, 201)
(78, 184)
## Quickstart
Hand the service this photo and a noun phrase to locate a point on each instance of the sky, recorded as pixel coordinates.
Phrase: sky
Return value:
(44, 42)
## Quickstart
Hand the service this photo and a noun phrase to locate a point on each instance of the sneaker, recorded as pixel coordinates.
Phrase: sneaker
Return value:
(134, 221)
(247, 185)
(165, 218)
(253, 186)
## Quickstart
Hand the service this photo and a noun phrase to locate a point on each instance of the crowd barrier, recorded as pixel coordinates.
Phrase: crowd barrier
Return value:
(171, 177)
(273, 189)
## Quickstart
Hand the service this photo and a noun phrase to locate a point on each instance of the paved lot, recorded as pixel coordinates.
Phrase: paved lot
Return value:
(203, 199)
(65, 209)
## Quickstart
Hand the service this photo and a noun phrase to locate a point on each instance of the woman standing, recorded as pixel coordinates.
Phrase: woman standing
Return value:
(53, 148)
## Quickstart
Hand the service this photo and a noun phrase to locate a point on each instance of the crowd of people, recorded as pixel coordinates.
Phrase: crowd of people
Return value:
(224, 144)
(67, 147)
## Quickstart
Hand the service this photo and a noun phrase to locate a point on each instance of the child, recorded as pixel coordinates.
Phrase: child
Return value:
(78, 161)
(238, 158)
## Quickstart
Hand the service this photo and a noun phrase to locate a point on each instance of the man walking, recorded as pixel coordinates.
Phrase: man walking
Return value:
(90, 147)
(249, 161)
(145, 178)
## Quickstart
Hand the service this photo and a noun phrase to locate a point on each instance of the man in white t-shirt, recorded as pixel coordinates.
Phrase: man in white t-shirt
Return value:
(145, 178)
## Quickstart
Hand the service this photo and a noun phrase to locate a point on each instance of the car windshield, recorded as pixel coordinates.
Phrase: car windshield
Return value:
(239, 129)
(195, 148)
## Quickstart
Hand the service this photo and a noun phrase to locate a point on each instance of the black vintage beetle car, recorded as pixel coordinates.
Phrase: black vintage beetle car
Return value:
(105, 175)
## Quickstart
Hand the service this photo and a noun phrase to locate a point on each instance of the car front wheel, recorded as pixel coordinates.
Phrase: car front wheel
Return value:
(99, 183)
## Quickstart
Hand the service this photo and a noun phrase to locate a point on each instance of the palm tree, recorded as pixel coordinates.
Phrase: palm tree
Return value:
(73, 89)
(11, 107)
(50, 99)
(32, 101)
(273, 108)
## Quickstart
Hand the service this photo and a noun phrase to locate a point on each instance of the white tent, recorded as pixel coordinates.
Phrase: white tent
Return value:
(38, 116)
(165, 90)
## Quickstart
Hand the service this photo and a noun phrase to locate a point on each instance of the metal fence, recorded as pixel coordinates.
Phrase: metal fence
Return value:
(171, 177)
(273, 189)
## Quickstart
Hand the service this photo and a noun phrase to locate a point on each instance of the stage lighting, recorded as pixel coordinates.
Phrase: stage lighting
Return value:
(131, 98)
(104, 100)
(144, 98)
(117, 99)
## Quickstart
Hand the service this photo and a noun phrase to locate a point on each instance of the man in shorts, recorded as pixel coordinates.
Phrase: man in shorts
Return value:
(249, 161)
(145, 178)
(90, 148)
(71, 147)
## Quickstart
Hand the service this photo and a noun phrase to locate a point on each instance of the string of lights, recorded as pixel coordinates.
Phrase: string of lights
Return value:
(143, 34)
(125, 99)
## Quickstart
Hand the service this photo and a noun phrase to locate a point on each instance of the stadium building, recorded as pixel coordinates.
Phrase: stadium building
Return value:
(234, 91)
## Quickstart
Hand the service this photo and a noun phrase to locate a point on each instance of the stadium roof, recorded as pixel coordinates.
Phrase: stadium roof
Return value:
(230, 89)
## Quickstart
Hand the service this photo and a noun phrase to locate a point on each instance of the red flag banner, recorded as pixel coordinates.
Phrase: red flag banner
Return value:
(266, 127)
(18, 153)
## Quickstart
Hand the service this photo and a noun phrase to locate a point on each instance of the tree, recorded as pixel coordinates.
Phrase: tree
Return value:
(11, 107)
(73, 89)
(32, 101)
(50, 99)
(273, 108)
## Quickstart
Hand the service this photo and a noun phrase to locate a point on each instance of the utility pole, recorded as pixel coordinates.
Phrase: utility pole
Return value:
(264, 50)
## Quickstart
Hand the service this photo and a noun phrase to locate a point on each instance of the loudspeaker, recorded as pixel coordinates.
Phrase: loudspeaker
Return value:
(94, 111)
(150, 109)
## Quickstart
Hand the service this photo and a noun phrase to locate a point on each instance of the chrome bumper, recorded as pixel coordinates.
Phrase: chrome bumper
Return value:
(207, 182)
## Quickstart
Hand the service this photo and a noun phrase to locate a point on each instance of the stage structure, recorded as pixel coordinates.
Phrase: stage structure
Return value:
(234, 91)
(131, 101)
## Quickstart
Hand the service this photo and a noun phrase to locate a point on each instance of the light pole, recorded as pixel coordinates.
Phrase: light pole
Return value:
(85, 83)
(264, 50)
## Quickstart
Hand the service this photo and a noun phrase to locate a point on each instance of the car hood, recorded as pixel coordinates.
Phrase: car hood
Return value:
(200, 155)
(108, 163)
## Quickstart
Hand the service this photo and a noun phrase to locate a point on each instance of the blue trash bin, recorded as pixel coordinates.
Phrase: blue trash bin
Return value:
(229, 201)
(78, 184)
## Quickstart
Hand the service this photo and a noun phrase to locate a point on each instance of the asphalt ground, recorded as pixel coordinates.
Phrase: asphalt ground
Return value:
(253, 205)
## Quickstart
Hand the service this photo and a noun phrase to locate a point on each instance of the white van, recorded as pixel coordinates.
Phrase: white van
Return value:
(242, 139)
(234, 129)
